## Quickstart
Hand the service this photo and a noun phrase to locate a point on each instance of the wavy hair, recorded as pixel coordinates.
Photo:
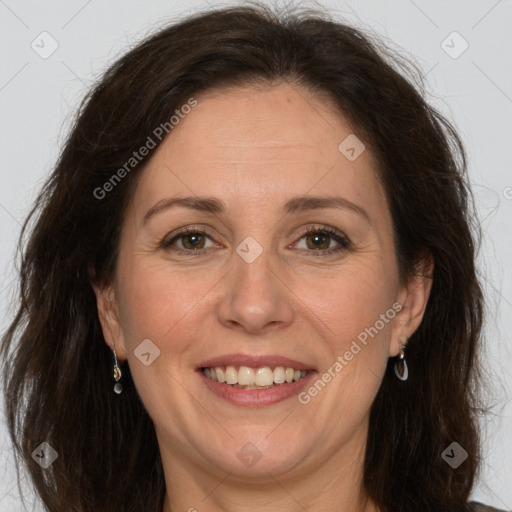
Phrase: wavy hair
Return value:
(57, 367)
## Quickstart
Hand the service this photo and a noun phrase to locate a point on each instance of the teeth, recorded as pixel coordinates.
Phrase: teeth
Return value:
(264, 377)
(231, 375)
(279, 375)
(221, 376)
(254, 378)
(245, 376)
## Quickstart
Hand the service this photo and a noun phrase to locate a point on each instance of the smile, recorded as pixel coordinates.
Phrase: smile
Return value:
(245, 377)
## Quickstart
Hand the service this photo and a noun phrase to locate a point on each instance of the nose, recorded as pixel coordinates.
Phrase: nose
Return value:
(256, 298)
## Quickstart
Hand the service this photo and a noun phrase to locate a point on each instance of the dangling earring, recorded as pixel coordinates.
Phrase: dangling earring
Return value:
(118, 387)
(401, 370)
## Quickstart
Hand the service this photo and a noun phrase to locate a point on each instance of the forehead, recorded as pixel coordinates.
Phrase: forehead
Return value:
(263, 123)
(252, 146)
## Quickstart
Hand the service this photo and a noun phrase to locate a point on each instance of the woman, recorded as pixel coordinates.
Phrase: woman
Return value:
(269, 230)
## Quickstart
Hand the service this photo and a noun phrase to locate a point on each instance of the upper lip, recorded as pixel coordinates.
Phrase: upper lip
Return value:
(254, 361)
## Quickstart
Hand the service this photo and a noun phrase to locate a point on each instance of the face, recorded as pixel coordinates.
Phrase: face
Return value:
(288, 264)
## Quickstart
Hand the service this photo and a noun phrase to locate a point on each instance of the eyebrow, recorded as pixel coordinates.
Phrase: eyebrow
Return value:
(294, 205)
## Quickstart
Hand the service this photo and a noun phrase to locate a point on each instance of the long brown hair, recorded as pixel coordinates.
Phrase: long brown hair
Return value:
(57, 367)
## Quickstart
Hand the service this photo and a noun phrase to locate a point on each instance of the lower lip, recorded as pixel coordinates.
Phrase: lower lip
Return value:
(256, 397)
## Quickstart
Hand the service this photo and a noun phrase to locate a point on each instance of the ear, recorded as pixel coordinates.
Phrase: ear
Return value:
(413, 298)
(108, 314)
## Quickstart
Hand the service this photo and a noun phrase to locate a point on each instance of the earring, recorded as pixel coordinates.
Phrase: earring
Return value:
(118, 387)
(401, 370)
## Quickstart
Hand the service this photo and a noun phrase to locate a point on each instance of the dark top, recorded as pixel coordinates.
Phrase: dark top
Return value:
(474, 506)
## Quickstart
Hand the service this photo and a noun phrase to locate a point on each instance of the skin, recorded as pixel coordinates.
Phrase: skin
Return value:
(255, 148)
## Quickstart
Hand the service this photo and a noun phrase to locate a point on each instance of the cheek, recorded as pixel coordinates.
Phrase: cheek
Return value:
(351, 299)
(164, 304)
(160, 305)
(356, 312)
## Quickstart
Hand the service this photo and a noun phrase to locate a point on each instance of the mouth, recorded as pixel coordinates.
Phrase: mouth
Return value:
(245, 377)
(254, 380)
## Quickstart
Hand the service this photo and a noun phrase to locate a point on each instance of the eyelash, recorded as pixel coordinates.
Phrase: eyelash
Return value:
(332, 233)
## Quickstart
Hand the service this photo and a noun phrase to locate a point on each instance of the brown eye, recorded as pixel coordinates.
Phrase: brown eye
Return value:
(192, 241)
(189, 241)
(319, 241)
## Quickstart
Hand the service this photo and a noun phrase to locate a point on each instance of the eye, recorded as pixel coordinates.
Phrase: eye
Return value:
(192, 241)
(319, 241)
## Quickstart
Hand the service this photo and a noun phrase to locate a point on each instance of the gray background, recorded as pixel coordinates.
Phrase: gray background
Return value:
(38, 96)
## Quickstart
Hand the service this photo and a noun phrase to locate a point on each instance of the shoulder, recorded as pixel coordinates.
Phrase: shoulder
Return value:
(474, 506)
